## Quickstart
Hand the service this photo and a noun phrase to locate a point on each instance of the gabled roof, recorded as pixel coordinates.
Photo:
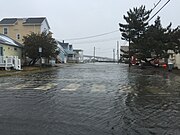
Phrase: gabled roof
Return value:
(8, 21)
(64, 45)
(9, 41)
(34, 20)
(60, 47)
(77, 50)
(27, 21)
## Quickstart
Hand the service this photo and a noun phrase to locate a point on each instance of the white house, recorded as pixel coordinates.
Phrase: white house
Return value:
(78, 54)
(10, 53)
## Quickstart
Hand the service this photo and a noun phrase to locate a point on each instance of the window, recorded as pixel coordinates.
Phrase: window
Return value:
(70, 47)
(5, 31)
(15, 49)
(1, 51)
(18, 36)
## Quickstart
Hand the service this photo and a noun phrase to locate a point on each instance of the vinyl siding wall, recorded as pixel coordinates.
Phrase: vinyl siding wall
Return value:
(11, 51)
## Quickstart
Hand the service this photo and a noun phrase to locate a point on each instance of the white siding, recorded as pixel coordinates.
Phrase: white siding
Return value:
(44, 26)
(177, 61)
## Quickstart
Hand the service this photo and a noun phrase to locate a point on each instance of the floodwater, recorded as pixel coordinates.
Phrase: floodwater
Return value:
(91, 99)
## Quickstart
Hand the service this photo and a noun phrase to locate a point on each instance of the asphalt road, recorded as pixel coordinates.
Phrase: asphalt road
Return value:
(91, 99)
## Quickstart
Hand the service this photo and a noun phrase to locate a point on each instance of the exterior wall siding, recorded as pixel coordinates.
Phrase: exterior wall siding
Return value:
(22, 30)
(11, 51)
(44, 27)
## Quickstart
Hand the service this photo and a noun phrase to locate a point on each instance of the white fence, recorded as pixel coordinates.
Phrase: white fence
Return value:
(10, 62)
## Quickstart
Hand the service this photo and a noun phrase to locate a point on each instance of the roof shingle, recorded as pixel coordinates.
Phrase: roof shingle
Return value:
(8, 21)
(34, 20)
(9, 41)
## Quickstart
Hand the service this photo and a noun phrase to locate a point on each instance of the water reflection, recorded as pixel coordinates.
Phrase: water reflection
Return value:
(88, 99)
(151, 104)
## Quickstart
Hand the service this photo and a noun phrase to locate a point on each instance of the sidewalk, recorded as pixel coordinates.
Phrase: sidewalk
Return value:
(156, 70)
(25, 70)
(31, 69)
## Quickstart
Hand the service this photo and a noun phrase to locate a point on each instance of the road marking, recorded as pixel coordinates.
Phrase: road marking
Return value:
(21, 86)
(4, 84)
(71, 87)
(125, 88)
(47, 86)
(98, 88)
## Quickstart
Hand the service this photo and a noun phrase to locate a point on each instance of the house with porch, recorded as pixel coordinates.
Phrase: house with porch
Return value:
(69, 51)
(17, 28)
(68, 54)
(78, 55)
(10, 53)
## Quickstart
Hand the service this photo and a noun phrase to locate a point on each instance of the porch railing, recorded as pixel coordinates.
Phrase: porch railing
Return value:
(10, 62)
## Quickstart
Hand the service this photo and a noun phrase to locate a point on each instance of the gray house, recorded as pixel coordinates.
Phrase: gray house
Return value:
(68, 54)
(68, 50)
(62, 56)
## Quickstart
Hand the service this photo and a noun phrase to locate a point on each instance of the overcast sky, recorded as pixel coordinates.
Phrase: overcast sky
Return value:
(70, 19)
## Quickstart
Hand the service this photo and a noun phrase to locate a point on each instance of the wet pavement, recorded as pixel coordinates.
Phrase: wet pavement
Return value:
(91, 99)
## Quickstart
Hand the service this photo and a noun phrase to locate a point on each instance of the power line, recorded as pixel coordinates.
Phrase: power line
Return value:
(156, 5)
(98, 41)
(158, 10)
(107, 33)
(103, 34)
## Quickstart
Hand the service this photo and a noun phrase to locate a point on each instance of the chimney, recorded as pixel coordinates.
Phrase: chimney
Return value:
(24, 20)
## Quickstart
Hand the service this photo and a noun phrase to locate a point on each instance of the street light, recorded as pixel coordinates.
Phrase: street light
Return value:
(94, 54)
(129, 48)
(40, 53)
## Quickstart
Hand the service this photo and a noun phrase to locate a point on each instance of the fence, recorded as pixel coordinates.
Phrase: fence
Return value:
(10, 62)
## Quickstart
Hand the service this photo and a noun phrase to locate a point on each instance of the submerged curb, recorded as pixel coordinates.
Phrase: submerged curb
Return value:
(30, 70)
(24, 71)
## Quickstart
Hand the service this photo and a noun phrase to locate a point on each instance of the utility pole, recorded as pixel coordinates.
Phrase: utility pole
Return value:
(129, 51)
(117, 50)
(114, 55)
(40, 56)
(94, 53)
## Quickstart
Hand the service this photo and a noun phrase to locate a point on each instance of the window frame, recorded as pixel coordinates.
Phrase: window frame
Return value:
(18, 35)
(4, 30)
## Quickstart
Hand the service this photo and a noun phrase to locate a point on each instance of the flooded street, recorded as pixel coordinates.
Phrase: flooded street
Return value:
(91, 99)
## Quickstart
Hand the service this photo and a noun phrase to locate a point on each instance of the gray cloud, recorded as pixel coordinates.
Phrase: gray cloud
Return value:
(81, 18)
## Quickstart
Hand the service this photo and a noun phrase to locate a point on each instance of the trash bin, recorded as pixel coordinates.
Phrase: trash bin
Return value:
(170, 64)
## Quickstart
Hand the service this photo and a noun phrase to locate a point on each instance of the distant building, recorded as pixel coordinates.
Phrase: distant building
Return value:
(174, 58)
(69, 51)
(16, 28)
(124, 55)
(124, 48)
(62, 56)
(68, 54)
(78, 54)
